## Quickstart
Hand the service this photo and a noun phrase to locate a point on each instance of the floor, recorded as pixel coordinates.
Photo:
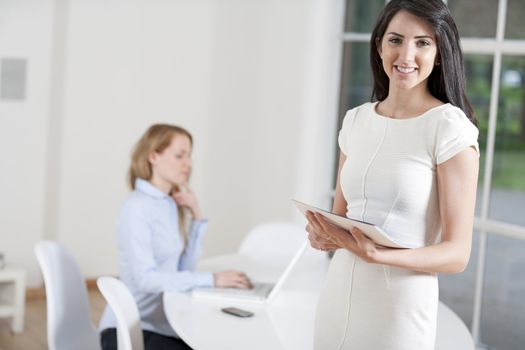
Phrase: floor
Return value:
(34, 336)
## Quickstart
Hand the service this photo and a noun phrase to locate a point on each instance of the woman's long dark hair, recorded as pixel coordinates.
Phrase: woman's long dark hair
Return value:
(447, 80)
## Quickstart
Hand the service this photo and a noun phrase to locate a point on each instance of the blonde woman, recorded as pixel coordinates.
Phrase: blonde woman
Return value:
(158, 250)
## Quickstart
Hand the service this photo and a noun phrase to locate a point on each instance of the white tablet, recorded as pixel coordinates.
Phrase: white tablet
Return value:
(373, 232)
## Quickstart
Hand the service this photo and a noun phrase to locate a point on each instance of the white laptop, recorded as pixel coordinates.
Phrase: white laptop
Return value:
(260, 293)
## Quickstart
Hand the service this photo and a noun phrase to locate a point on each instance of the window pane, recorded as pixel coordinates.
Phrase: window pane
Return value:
(361, 16)
(457, 290)
(356, 82)
(475, 18)
(515, 14)
(503, 308)
(356, 77)
(478, 69)
(508, 172)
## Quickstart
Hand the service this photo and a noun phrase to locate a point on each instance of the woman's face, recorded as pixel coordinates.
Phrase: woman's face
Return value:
(172, 166)
(408, 51)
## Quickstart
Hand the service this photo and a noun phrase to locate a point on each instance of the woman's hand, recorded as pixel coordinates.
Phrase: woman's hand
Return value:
(232, 279)
(186, 198)
(316, 235)
(330, 235)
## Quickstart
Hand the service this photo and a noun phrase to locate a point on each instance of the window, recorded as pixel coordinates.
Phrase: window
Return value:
(488, 296)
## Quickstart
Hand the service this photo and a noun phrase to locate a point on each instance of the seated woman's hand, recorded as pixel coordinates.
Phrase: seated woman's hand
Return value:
(232, 279)
(186, 198)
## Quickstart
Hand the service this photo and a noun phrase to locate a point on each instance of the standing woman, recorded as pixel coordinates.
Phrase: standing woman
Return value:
(157, 249)
(408, 163)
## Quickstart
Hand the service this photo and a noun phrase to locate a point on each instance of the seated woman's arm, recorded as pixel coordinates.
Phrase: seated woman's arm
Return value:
(192, 252)
(136, 248)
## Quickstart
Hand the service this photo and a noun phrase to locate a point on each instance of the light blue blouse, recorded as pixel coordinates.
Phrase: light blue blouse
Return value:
(152, 257)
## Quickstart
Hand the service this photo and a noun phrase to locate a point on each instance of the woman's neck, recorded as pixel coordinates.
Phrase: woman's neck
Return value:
(161, 184)
(401, 104)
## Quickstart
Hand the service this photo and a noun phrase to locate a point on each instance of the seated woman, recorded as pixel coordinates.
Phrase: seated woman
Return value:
(157, 249)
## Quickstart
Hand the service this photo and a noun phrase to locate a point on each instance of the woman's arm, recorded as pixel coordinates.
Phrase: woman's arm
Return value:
(192, 252)
(135, 239)
(186, 198)
(457, 182)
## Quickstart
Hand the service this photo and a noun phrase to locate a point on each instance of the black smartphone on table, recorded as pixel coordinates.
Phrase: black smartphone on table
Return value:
(237, 312)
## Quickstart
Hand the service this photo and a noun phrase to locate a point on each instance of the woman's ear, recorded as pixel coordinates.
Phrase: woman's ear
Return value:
(152, 158)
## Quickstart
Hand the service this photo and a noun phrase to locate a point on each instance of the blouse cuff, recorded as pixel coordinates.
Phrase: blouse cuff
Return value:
(204, 279)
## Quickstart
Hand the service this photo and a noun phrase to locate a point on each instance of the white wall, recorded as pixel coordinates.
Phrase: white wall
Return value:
(25, 32)
(258, 76)
(244, 76)
(129, 64)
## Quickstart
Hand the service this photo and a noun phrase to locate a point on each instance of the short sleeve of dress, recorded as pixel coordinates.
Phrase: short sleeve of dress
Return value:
(456, 133)
(346, 127)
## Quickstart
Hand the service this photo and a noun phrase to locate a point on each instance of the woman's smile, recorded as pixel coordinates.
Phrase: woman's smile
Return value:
(405, 70)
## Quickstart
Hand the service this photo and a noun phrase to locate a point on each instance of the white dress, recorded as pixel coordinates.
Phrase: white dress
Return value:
(389, 179)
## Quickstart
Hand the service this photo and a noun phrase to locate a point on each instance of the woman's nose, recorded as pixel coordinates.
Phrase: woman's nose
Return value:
(407, 53)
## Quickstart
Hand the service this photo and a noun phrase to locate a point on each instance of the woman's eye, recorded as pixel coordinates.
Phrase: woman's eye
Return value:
(394, 40)
(423, 43)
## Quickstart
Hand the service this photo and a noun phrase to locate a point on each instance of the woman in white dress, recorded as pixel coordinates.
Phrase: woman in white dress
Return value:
(408, 163)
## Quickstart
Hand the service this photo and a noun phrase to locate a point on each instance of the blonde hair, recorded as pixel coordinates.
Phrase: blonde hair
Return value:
(157, 138)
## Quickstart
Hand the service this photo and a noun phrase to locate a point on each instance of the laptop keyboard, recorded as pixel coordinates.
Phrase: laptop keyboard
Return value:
(258, 289)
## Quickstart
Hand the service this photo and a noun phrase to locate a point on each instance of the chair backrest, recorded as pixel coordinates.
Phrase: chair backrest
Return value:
(68, 322)
(275, 241)
(119, 298)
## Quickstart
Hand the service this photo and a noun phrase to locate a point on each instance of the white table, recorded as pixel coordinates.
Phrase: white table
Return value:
(287, 323)
(12, 297)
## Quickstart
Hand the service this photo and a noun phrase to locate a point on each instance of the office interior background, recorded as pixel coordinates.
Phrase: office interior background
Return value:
(262, 85)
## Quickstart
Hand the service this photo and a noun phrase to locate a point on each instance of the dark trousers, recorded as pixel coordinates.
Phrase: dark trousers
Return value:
(152, 341)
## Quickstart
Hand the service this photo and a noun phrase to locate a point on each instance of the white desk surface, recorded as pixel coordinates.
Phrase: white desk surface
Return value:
(286, 323)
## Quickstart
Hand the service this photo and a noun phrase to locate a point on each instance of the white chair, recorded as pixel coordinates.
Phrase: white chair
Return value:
(452, 334)
(274, 242)
(119, 298)
(68, 322)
